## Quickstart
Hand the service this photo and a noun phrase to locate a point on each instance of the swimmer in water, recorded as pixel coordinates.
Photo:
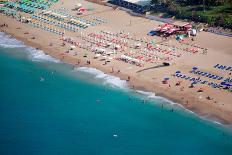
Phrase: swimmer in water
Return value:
(42, 79)
(98, 101)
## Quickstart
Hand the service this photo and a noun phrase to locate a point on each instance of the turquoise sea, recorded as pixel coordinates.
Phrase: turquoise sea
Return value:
(49, 108)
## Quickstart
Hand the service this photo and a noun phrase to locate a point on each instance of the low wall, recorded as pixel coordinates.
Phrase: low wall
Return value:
(133, 13)
(97, 1)
(159, 19)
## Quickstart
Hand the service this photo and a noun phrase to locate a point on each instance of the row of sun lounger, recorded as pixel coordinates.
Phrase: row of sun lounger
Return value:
(150, 52)
(143, 55)
(198, 80)
(51, 21)
(46, 28)
(29, 6)
(126, 36)
(8, 11)
(74, 17)
(205, 74)
(223, 67)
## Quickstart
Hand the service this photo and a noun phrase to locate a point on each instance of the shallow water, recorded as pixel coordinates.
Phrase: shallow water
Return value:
(46, 107)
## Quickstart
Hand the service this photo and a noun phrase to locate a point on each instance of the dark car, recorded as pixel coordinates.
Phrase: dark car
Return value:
(152, 33)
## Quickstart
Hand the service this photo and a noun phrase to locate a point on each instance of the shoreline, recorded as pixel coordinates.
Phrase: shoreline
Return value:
(216, 120)
(219, 108)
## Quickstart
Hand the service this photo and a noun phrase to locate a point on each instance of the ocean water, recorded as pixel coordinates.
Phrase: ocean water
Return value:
(49, 108)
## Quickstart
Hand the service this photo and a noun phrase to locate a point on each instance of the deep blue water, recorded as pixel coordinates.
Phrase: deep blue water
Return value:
(47, 108)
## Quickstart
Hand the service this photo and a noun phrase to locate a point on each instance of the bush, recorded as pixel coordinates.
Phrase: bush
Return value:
(218, 16)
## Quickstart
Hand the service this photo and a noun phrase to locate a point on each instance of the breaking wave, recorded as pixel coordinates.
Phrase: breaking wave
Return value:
(108, 79)
(7, 41)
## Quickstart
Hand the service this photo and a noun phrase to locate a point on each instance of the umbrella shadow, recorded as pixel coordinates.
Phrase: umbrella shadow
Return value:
(145, 69)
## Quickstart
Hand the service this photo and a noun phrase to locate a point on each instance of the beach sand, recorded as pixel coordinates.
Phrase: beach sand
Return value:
(142, 78)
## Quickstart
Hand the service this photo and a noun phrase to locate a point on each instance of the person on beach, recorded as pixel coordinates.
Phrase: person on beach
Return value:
(112, 69)
(78, 62)
(128, 79)
(88, 62)
(63, 44)
(182, 89)
(209, 98)
(178, 83)
(191, 86)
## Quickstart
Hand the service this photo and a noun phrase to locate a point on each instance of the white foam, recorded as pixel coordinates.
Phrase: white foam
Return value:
(216, 122)
(148, 94)
(35, 55)
(7, 42)
(153, 96)
(39, 55)
(108, 79)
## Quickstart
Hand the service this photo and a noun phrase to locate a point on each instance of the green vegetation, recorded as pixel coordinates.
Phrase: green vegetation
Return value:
(213, 12)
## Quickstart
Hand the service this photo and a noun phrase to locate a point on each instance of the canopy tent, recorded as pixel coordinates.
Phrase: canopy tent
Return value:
(82, 10)
(130, 58)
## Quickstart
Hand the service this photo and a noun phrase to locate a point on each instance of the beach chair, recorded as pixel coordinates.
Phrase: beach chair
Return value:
(192, 79)
(229, 68)
(204, 82)
(204, 74)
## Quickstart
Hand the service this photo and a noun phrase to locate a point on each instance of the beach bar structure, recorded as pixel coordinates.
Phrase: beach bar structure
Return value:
(138, 8)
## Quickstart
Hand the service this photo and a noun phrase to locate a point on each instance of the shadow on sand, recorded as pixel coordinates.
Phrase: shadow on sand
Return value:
(159, 66)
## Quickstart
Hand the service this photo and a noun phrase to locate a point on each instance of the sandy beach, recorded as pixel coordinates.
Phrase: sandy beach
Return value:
(212, 49)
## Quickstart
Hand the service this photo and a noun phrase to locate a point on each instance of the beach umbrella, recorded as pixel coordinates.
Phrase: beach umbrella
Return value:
(73, 46)
(97, 55)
